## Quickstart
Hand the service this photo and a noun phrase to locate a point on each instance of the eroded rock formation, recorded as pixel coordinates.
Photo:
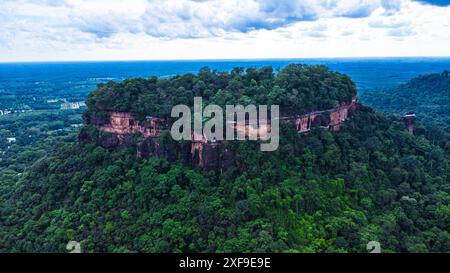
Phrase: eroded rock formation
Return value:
(409, 122)
(331, 119)
(123, 123)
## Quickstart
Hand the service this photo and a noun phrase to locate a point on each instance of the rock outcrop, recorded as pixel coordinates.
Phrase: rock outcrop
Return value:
(122, 126)
(409, 122)
(331, 119)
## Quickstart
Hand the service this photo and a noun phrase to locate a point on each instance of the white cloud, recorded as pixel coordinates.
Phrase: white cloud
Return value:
(157, 29)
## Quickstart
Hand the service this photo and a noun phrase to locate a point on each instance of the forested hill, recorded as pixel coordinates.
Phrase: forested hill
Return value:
(319, 192)
(428, 96)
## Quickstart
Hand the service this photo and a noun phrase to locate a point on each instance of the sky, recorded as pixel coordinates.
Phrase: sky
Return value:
(80, 30)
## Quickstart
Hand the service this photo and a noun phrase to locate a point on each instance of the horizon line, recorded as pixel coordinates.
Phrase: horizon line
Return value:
(224, 59)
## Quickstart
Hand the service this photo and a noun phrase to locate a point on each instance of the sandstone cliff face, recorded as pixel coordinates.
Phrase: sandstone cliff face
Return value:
(331, 119)
(206, 154)
(211, 156)
(122, 123)
(341, 114)
(122, 126)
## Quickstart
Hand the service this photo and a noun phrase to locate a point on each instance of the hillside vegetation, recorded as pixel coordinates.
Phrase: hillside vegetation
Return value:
(296, 89)
(428, 96)
(319, 192)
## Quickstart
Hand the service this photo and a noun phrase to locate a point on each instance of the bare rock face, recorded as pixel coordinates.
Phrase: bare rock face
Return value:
(152, 146)
(111, 141)
(227, 159)
(149, 147)
(123, 123)
(303, 124)
(211, 156)
(341, 114)
(409, 119)
(122, 126)
(331, 119)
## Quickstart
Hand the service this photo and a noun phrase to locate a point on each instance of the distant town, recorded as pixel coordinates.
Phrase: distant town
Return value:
(52, 104)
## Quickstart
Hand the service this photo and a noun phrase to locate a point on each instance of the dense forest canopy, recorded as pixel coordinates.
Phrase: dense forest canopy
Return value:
(296, 89)
(319, 192)
(427, 95)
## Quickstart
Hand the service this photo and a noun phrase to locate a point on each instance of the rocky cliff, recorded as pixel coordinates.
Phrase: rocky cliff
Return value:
(331, 119)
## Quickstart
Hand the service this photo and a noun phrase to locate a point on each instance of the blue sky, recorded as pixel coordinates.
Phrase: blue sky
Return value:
(56, 30)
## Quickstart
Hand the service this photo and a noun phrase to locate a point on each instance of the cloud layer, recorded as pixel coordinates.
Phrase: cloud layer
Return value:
(165, 29)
